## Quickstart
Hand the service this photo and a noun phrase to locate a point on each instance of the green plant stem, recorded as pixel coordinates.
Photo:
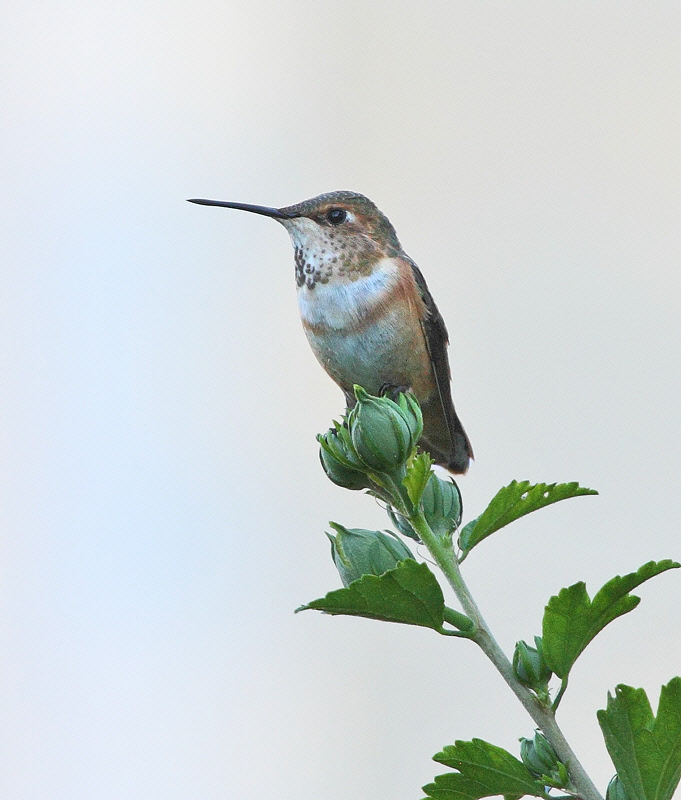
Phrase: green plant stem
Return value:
(559, 696)
(443, 553)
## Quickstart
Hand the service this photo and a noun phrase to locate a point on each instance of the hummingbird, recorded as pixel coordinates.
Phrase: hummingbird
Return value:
(367, 311)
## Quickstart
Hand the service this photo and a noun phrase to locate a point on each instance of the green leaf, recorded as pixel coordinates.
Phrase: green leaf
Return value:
(484, 770)
(571, 619)
(417, 477)
(646, 751)
(454, 786)
(409, 593)
(512, 502)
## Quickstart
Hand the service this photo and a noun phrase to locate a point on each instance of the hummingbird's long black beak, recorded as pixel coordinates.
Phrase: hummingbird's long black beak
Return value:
(264, 210)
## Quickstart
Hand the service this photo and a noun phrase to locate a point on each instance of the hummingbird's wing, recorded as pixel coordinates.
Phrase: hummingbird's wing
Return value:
(437, 340)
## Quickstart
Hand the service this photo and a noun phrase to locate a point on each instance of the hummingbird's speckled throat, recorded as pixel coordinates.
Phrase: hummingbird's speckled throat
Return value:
(321, 254)
(324, 250)
(367, 311)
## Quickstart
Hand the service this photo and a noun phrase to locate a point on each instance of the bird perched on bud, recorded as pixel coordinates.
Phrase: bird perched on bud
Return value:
(367, 311)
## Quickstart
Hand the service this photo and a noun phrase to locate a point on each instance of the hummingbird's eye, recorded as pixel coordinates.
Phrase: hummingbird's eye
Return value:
(336, 215)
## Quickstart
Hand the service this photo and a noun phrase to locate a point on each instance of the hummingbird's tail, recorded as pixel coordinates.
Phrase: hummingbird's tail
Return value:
(446, 441)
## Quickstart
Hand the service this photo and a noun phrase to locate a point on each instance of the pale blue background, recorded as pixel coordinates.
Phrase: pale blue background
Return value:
(162, 506)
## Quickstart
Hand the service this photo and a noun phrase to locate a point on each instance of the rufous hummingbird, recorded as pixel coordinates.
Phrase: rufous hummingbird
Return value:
(367, 311)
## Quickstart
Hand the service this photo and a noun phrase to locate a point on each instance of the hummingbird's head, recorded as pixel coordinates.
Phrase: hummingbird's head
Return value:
(336, 236)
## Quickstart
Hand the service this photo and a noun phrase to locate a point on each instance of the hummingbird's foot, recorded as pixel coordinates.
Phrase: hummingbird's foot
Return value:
(392, 392)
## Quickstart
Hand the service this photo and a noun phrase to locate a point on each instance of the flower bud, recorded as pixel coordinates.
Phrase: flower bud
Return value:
(616, 790)
(529, 665)
(538, 756)
(357, 552)
(339, 462)
(412, 410)
(383, 434)
(402, 524)
(340, 474)
(529, 757)
(441, 502)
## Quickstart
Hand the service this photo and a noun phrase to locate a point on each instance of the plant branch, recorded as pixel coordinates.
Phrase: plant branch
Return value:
(443, 553)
